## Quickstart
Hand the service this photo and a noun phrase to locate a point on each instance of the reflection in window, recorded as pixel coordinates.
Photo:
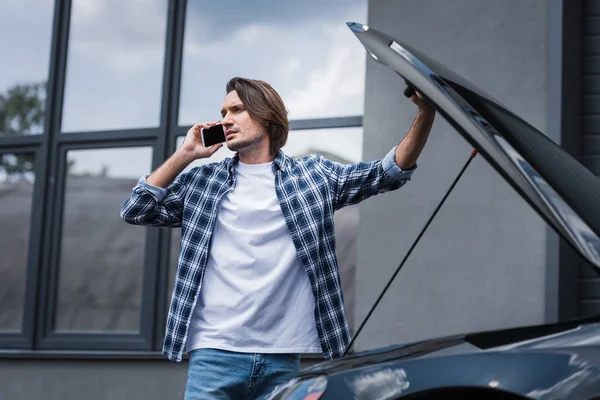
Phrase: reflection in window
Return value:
(26, 27)
(101, 257)
(115, 64)
(342, 145)
(16, 192)
(303, 49)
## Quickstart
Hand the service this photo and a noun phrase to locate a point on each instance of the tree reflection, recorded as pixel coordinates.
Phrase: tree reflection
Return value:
(21, 113)
(22, 109)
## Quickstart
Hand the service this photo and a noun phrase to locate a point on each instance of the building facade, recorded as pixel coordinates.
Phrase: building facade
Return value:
(95, 94)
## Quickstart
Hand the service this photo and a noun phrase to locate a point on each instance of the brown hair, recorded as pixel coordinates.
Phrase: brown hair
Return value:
(265, 106)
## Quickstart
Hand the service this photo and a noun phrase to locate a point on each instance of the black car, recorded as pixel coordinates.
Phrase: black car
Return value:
(554, 361)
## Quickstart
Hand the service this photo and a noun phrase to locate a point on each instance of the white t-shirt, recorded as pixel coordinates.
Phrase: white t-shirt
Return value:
(255, 295)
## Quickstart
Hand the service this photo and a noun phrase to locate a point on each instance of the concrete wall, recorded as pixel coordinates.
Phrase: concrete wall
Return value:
(93, 379)
(482, 263)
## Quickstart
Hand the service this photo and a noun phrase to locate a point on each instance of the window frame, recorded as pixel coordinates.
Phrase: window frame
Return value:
(24, 338)
(37, 340)
(49, 339)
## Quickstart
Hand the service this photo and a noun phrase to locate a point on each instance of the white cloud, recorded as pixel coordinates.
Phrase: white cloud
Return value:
(115, 65)
(288, 68)
(26, 29)
(85, 11)
(318, 68)
(337, 87)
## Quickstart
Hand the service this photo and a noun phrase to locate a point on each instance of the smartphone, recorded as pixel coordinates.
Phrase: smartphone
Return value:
(212, 135)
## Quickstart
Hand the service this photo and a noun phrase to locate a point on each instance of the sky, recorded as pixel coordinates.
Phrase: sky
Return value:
(115, 65)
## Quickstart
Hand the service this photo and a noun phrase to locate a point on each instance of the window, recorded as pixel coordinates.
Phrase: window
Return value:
(17, 177)
(101, 258)
(303, 49)
(115, 65)
(96, 95)
(26, 28)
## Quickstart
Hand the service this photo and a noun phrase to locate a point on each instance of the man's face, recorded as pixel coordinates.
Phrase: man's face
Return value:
(241, 131)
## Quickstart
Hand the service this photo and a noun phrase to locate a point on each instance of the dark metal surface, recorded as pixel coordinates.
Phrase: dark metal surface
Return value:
(559, 361)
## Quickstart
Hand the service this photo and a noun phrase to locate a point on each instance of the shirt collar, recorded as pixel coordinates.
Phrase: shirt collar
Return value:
(279, 162)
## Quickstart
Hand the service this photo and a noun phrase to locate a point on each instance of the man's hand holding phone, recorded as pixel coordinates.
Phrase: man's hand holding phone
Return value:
(192, 149)
(193, 144)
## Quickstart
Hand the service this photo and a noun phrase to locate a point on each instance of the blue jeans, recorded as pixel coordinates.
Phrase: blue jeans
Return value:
(219, 374)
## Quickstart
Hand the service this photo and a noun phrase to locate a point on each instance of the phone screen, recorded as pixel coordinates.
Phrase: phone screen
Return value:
(213, 135)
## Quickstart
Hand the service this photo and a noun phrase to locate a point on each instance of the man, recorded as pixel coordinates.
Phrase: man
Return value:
(257, 282)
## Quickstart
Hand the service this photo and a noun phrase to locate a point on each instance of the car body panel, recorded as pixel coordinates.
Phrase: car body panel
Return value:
(532, 374)
(556, 361)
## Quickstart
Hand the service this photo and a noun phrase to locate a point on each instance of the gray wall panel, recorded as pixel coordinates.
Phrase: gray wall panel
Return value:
(94, 379)
(91, 380)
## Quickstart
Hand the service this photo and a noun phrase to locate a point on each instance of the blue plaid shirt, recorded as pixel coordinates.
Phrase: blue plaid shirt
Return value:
(309, 190)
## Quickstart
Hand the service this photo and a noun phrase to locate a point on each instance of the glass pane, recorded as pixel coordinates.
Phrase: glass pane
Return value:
(17, 175)
(303, 49)
(115, 65)
(101, 256)
(26, 29)
(342, 145)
